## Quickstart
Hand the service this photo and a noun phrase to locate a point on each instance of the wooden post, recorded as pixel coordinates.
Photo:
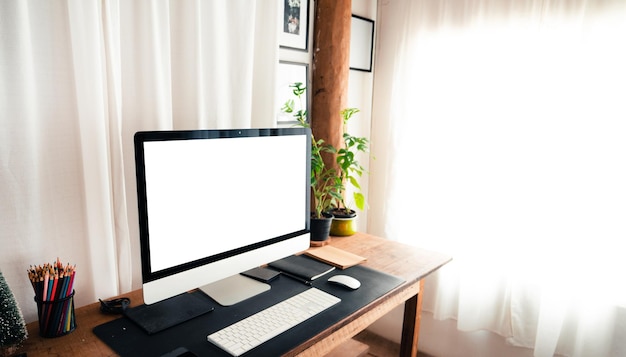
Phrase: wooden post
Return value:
(411, 323)
(331, 65)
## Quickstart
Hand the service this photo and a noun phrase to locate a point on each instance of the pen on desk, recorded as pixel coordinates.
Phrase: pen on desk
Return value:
(302, 280)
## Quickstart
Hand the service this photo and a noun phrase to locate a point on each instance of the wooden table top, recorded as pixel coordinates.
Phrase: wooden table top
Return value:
(407, 262)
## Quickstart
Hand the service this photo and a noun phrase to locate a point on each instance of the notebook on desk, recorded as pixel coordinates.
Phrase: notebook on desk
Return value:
(335, 256)
(301, 266)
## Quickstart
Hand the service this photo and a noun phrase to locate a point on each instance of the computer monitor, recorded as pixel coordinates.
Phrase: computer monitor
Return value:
(215, 203)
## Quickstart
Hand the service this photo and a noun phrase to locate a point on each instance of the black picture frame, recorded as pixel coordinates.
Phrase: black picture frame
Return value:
(294, 32)
(361, 43)
(289, 73)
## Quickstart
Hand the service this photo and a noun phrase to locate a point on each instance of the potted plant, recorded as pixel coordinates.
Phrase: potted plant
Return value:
(350, 170)
(328, 185)
(325, 185)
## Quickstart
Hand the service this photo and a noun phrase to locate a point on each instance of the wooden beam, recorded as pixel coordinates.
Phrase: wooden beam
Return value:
(331, 66)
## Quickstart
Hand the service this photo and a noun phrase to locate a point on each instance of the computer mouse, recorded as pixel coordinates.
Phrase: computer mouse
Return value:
(345, 280)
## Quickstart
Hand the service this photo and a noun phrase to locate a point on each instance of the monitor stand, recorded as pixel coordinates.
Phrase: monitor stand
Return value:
(234, 289)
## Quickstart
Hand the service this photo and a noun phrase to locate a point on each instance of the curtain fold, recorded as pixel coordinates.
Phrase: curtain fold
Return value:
(77, 80)
(505, 131)
(91, 102)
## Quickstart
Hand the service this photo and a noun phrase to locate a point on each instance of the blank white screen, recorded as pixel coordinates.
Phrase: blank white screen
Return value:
(209, 196)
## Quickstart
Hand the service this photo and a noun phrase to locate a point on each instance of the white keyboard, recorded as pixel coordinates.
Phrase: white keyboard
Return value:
(248, 333)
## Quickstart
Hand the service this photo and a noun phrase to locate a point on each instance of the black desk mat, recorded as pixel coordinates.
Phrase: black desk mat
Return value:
(127, 339)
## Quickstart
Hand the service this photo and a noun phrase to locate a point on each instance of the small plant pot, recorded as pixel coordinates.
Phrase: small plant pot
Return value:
(343, 224)
(320, 228)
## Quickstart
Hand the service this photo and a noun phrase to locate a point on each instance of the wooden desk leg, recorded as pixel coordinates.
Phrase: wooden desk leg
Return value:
(411, 324)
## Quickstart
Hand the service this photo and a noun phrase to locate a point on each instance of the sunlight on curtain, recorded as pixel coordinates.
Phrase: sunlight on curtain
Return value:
(77, 80)
(506, 126)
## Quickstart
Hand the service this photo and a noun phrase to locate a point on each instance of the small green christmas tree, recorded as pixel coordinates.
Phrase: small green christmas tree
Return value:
(12, 327)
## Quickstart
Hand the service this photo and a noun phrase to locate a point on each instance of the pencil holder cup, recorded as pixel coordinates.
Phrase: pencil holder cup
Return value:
(56, 317)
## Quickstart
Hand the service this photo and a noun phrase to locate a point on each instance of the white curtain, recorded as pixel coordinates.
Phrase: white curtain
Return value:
(500, 134)
(77, 79)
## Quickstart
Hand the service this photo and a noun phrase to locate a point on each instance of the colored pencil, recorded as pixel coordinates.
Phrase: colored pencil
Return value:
(53, 285)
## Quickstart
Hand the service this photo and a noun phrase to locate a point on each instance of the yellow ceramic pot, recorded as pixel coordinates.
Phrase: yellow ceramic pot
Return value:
(343, 224)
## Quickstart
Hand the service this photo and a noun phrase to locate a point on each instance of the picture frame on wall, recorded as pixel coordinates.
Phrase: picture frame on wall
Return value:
(294, 32)
(361, 43)
(289, 73)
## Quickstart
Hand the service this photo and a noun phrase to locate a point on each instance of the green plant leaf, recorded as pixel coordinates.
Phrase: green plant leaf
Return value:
(359, 200)
(354, 182)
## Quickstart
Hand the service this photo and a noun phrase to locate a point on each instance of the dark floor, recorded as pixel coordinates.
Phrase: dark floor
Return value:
(381, 347)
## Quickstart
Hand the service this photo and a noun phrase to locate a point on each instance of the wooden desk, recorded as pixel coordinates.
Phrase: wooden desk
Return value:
(410, 263)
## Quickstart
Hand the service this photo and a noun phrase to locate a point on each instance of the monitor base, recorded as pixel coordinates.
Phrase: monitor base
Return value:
(234, 289)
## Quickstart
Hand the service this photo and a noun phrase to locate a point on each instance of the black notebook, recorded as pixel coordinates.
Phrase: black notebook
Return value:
(302, 267)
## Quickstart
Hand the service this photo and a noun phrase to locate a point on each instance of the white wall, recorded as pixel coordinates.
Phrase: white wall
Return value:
(360, 92)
